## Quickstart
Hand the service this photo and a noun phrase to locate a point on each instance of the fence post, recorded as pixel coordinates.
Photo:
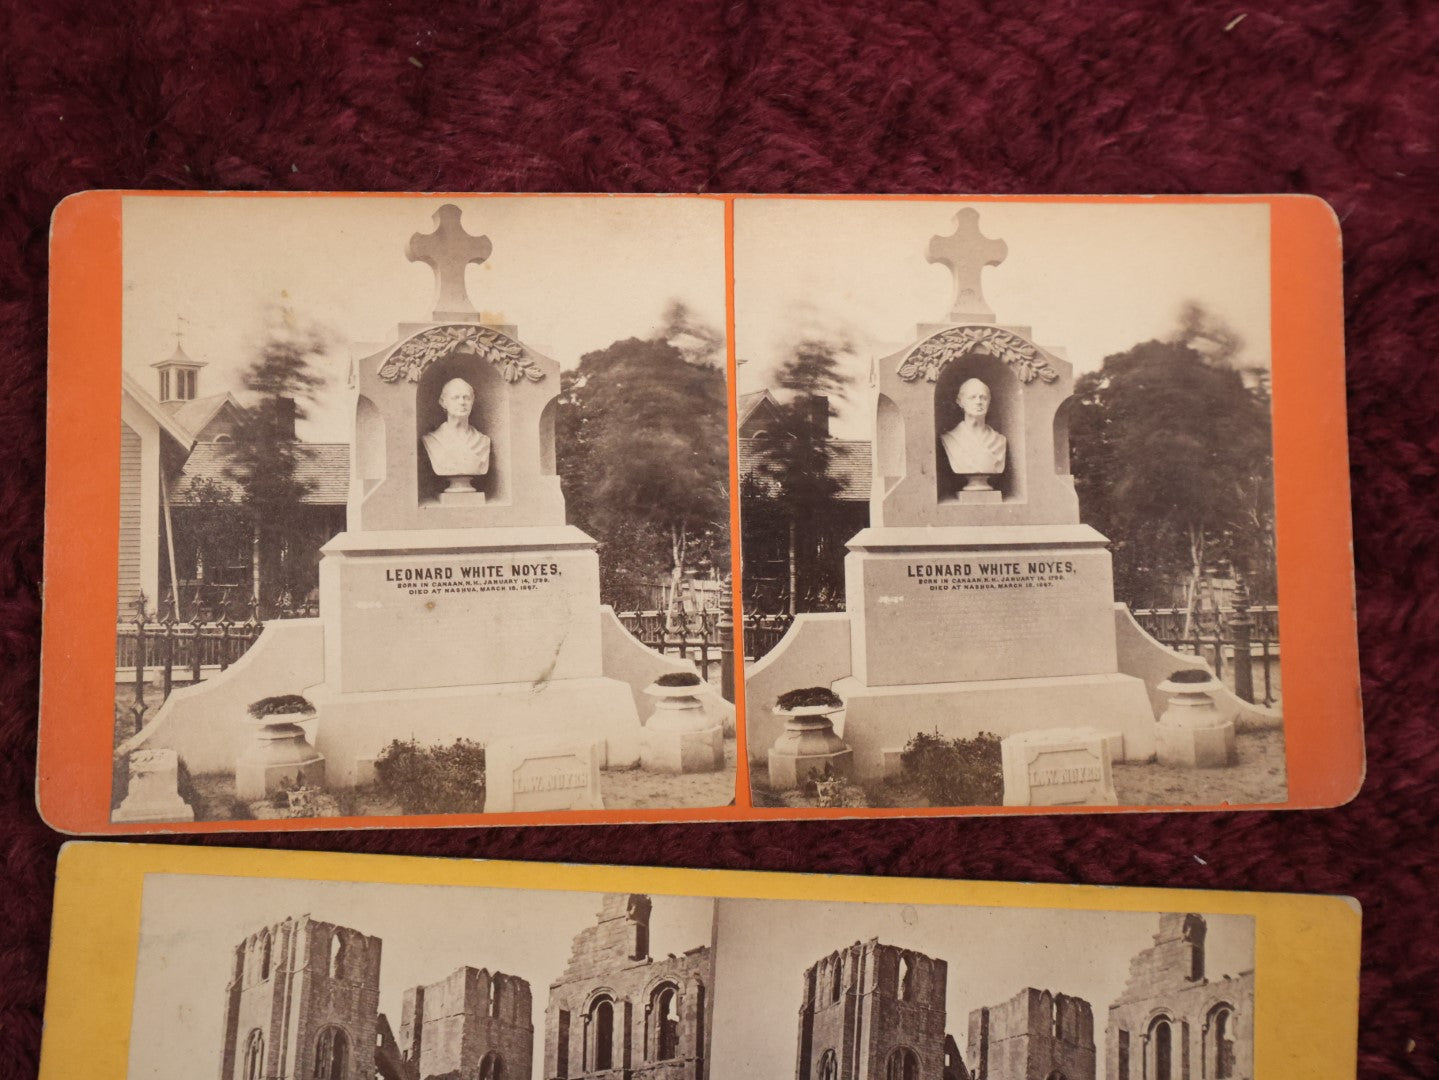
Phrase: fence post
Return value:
(1241, 625)
(726, 642)
(138, 710)
(195, 647)
(167, 629)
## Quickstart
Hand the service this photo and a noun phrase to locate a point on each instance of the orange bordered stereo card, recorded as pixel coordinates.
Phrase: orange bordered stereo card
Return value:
(445, 510)
(173, 962)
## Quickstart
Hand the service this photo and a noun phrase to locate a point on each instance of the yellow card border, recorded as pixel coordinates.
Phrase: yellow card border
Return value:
(1306, 947)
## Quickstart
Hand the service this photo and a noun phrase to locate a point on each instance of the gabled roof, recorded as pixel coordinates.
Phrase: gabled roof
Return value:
(323, 467)
(748, 403)
(161, 415)
(196, 414)
(849, 463)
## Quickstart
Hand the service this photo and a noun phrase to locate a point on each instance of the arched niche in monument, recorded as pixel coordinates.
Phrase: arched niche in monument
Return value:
(1006, 416)
(487, 416)
(395, 485)
(915, 406)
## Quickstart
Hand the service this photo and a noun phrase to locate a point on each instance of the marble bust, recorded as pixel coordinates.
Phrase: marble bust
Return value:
(456, 450)
(975, 450)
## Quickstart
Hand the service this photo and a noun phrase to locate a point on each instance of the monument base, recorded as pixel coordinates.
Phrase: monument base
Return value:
(279, 756)
(682, 751)
(1195, 747)
(880, 720)
(355, 728)
(175, 809)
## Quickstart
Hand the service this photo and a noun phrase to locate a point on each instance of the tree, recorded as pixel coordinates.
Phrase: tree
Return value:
(1173, 460)
(793, 482)
(644, 457)
(282, 382)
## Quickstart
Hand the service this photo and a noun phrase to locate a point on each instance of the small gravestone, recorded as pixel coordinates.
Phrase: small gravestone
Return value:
(153, 794)
(1060, 767)
(528, 775)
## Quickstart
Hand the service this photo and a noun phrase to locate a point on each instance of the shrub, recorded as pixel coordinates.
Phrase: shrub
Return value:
(809, 696)
(678, 678)
(956, 772)
(433, 779)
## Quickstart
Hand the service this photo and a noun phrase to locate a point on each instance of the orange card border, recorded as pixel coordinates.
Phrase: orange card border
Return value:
(1324, 736)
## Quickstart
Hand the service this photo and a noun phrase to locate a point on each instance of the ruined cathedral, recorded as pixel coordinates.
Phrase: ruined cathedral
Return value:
(303, 1002)
(877, 1012)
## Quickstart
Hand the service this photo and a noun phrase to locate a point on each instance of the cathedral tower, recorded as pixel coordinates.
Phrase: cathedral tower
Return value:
(302, 1004)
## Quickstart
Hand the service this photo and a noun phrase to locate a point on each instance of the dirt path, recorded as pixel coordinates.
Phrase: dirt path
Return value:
(635, 789)
(1257, 778)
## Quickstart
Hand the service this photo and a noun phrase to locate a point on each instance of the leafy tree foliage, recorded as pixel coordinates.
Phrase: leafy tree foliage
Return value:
(793, 491)
(282, 381)
(1173, 460)
(644, 457)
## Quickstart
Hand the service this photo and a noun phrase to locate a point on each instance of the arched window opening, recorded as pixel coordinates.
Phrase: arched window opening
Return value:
(562, 1046)
(337, 956)
(1161, 1038)
(493, 1005)
(492, 1067)
(331, 1055)
(1054, 1017)
(600, 1038)
(836, 979)
(828, 1066)
(254, 1062)
(906, 977)
(1123, 1054)
(264, 955)
(903, 1065)
(665, 1018)
(1222, 1032)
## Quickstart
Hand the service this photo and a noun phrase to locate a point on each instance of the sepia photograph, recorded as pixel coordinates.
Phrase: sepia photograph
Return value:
(424, 508)
(1007, 503)
(291, 979)
(854, 991)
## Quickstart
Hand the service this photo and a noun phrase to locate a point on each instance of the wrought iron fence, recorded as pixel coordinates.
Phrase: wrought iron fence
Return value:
(762, 633)
(171, 651)
(1223, 638)
(703, 637)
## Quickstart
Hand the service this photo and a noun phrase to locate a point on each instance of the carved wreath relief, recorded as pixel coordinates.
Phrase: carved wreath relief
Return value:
(930, 358)
(413, 356)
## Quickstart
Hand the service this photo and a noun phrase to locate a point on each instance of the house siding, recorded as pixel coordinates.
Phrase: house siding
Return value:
(130, 541)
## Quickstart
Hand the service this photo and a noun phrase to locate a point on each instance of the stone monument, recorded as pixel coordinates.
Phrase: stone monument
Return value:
(458, 603)
(976, 600)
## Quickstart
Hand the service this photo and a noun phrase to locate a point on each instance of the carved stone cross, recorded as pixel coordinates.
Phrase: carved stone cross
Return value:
(447, 251)
(967, 252)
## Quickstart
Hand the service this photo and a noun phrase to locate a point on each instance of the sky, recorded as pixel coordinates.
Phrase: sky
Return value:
(993, 953)
(573, 274)
(190, 924)
(1091, 279)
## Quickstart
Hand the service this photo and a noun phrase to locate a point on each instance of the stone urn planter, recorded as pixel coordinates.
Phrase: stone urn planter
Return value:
(279, 755)
(808, 743)
(1193, 732)
(680, 736)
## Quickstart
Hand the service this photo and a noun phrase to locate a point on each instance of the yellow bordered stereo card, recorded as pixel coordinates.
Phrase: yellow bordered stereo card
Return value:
(171, 963)
(369, 510)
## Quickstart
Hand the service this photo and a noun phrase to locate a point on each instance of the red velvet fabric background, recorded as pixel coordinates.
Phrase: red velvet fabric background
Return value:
(806, 96)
